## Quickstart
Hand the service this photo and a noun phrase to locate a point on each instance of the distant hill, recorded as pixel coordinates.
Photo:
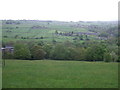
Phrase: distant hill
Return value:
(40, 30)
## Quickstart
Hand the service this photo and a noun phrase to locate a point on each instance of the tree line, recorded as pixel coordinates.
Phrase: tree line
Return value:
(86, 51)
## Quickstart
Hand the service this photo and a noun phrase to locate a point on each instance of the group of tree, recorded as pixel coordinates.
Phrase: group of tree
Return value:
(87, 51)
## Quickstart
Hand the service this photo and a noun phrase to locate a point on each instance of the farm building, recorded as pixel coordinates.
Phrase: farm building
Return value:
(8, 49)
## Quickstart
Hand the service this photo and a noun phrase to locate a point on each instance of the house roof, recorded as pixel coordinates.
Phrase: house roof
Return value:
(2, 48)
(9, 47)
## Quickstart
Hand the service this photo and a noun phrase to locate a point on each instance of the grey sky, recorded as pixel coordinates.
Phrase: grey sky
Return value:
(62, 10)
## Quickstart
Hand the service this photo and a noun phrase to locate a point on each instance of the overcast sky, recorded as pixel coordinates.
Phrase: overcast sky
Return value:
(62, 10)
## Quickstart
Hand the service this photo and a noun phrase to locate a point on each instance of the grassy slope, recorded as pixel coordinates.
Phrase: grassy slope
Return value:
(25, 30)
(57, 74)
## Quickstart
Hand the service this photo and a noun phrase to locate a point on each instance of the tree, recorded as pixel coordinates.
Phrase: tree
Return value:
(76, 53)
(16, 36)
(8, 55)
(107, 57)
(47, 49)
(86, 37)
(59, 52)
(41, 43)
(37, 52)
(81, 37)
(21, 51)
(114, 57)
(56, 32)
(104, 34)
(96, 52)
(80, 54)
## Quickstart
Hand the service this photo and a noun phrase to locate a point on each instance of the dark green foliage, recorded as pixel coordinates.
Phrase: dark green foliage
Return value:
(59, 52)
(87, 51)
(75, 38)
(47, 48)
(54, 41)
(7, 55)
(114, 57)
(37, 52)
(80, 54)
(56, 32)
(104, 34)
(76, 53)
(5, 36)
(86, 36)
(16, 36)
(118, 59)
(41, 37)
(95, 52)
(41, 43)
(21, 51)
(81, 37)
(63, 52)
(107, 57)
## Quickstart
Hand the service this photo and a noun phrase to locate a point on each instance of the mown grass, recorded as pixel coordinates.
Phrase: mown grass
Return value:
(59, 74)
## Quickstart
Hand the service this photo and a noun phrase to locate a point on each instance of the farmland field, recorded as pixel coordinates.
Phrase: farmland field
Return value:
(33, 30)
(59, 74)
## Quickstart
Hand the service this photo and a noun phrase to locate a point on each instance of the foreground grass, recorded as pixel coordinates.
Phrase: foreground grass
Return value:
(59, 74)
(0, 73)
(0, 77)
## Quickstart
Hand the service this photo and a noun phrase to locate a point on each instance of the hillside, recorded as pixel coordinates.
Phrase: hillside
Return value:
(47, 31)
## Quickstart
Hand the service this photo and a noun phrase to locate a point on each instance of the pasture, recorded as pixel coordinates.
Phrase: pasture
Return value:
(33, 30)
(0, 77)
(59, 74)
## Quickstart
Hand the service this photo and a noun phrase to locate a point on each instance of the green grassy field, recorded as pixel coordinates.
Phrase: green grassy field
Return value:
(0, 72)
(24, 29)
(59, 74)
(0, 77)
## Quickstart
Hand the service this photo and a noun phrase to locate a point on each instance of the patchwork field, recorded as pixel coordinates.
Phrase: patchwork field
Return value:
(59, 74)
(29, 30)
